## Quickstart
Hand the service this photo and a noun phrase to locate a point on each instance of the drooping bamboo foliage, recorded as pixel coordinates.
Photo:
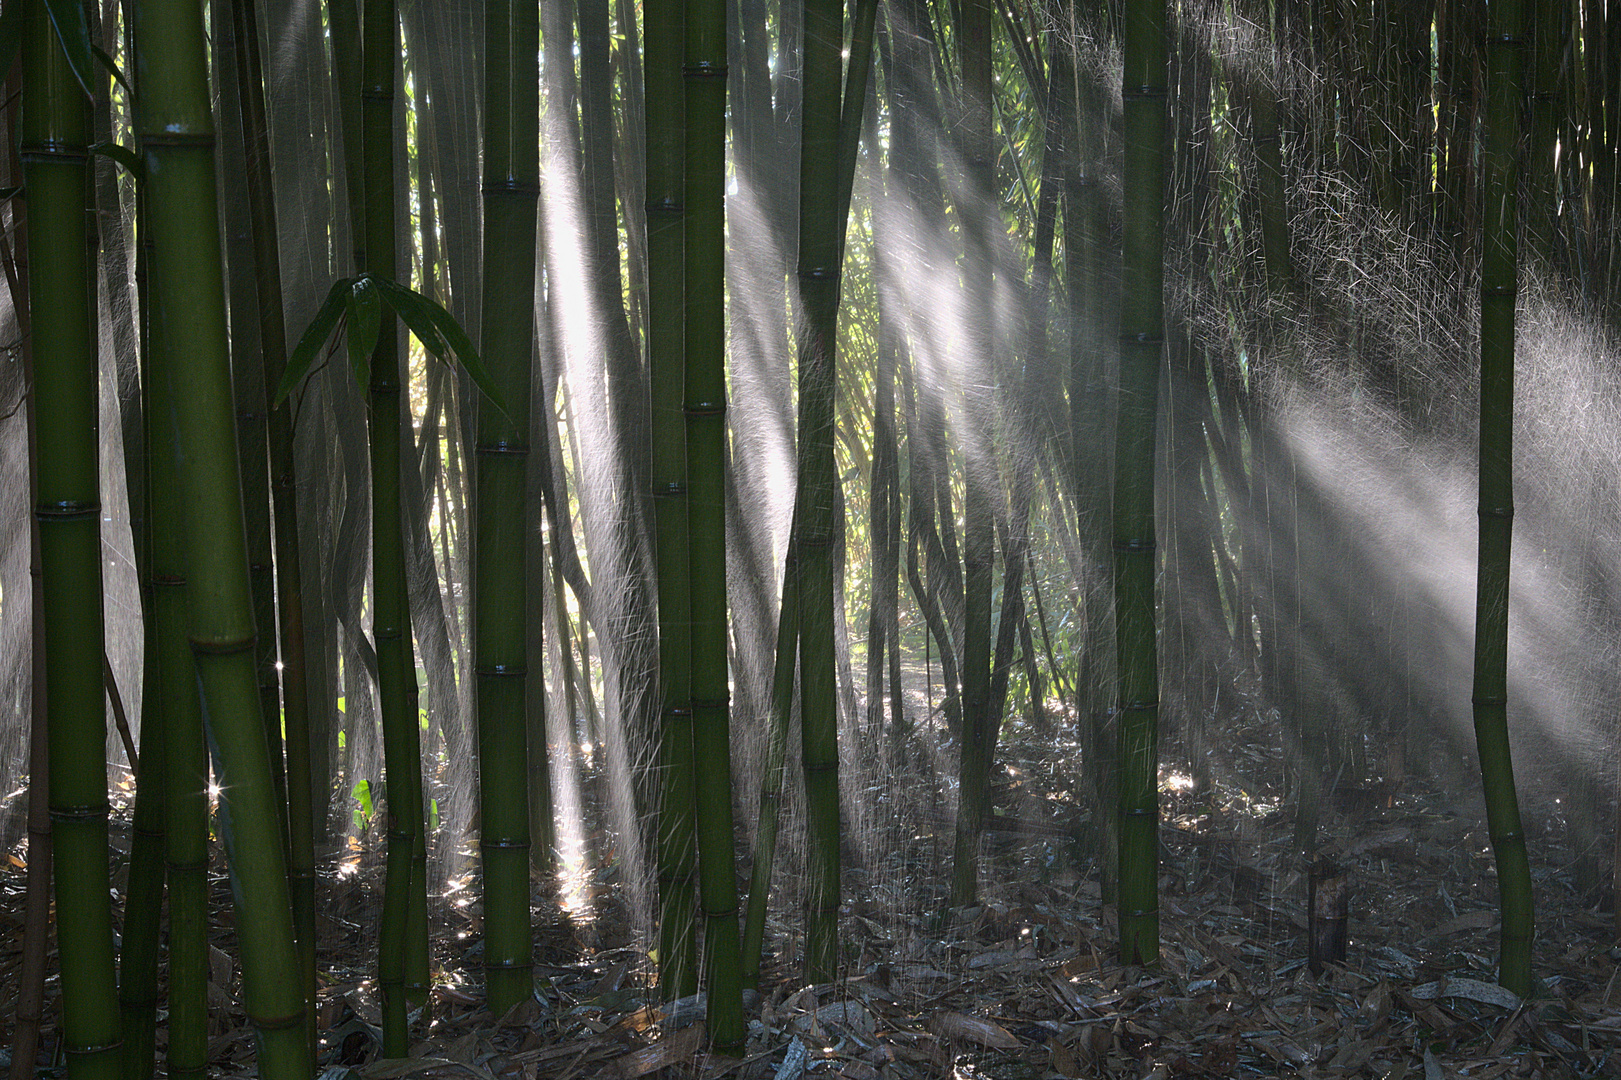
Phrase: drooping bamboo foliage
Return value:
(704, 169)
(55, 136)
(1498, 293)
(188, 323)
(666, 209)
(1142, 339)
(511, 185)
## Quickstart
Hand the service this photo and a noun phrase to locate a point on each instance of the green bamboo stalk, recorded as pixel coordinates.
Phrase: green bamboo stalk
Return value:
(186, 753)
(776, 756)
(30, 1006)
(979, 527)
(248, 375)
(666, 192)
(1084, 230)
(143, 904)
(138, 959)
(289, 576)
(1142, 340)
(818, 272)
(390, 618)
(511, 187)
(704, 235)
(1498, 287)
(54, 138)
(188, 318)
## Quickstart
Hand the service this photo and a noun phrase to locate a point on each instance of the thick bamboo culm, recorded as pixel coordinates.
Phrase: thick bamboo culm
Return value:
(55, 139)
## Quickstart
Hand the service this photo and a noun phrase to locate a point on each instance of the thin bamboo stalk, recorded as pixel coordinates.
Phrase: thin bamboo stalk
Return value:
(1142, 344)
(1498, 290)
(705, 404)
(289, 576)
(666, 211)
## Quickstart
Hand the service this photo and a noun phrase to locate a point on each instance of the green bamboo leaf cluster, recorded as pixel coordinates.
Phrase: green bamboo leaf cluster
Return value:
(357, 304)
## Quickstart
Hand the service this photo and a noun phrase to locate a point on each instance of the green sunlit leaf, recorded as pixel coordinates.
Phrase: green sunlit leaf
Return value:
(309, 346)
(365, 312)
(129, 159)
(414, 309)
(112, 69)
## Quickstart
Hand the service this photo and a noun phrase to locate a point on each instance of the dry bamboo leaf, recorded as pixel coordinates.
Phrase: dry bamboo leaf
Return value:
(960, 1027)
(1470, 989)
(1063, 1059)
(1352, 1056)
(679, 1046)
(1473, 920)
(400, 1068)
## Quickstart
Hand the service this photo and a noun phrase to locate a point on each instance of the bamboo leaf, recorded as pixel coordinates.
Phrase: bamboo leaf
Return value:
(465, 352)
(320, 328)
(439, 333)
(112, 69)
(412, 307)
(68, 18)
(123, 155)
(365, 321)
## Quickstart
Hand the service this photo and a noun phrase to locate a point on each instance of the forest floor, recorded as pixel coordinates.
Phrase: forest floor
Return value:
(1024, 985)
